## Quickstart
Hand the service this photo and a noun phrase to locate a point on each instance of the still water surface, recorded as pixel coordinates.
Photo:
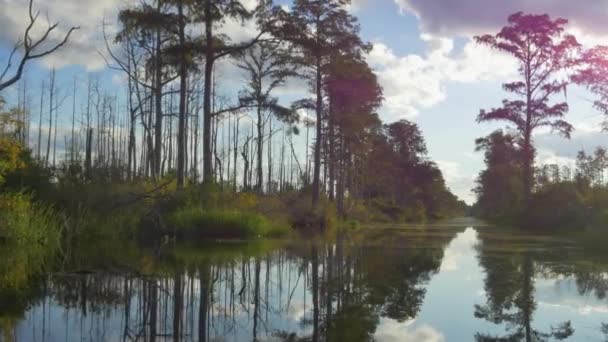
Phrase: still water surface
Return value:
(452, 282)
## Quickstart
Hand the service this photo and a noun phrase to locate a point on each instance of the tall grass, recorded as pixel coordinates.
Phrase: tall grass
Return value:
(29, 239)
(199, 223)
(27, 223)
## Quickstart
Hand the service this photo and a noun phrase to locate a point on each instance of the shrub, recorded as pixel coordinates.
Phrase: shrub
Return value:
(196, 222)
(558, 206)
(27, 223)
(303, 215)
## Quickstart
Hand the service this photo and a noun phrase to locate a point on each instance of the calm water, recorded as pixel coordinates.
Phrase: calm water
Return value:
(453, 282)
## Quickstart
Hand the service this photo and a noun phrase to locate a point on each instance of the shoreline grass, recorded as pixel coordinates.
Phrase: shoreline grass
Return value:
(193, 222)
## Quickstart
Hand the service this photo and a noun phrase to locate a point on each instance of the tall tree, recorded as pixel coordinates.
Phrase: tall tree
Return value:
(543, 52)
(267, 68)
(216, 46)
(152, 27)
(320, 30)
(499, 186)
(354, 94)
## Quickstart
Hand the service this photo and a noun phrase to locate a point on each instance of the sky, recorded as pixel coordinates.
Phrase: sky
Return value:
(428, 64)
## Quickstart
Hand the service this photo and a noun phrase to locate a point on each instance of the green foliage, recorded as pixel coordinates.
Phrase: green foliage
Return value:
(10, 147)
(303, 215)
(200, 223)
(31, 177)
(26, 223)
(558, 206)
(499, 186)
(10, 151)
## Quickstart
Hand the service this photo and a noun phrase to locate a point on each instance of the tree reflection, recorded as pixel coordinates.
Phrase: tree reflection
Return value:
(313, 291)
(509, 289)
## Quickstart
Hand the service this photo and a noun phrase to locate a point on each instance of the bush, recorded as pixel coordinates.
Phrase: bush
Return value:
(196, 222)
(558, 206)
(27, 223)
(303, 215)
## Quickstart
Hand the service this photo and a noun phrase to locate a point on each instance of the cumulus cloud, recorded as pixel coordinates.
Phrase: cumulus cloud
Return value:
(470, 17)
(413, 81)
(84, 44)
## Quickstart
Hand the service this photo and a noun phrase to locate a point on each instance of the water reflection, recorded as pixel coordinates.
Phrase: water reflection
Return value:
(385, 284)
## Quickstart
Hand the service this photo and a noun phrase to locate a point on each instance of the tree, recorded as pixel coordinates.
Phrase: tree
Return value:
(214, 47)
(267, 68)
(408, 151)
(10, 149)
(32, 49)
(354, 95)
(152, 28)
(320, 30)
(499, 186)
(543, 52)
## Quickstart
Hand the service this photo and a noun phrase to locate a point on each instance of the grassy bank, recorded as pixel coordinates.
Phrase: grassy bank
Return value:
(158, 212)
(200, 223)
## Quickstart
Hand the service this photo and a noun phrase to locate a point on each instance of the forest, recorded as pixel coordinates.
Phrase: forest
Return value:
(171, 208)
(185, 158)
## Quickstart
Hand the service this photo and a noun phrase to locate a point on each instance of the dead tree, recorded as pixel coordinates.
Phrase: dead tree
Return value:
(30, 48)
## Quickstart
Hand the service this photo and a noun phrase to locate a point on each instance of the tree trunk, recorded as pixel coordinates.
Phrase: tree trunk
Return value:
(318, 143)
(209, 59)
(181, 132)
(51, 93)
(260, 176)
(40, 122)
(270, 154)
(330, 155)
(88, 157)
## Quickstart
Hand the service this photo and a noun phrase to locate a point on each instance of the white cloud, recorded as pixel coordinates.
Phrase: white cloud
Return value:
(547, 157)
(458, 182)
(413, 82)
(393, 331)
(357, 5)
(84, 43)
(458, 250)
(553, 148)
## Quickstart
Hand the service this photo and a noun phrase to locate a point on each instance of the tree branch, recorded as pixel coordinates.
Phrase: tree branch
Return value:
(29, 52)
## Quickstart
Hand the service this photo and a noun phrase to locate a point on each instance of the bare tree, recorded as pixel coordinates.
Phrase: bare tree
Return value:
(31, 48)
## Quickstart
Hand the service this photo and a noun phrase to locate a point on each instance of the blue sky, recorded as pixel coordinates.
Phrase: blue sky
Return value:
(431, 70)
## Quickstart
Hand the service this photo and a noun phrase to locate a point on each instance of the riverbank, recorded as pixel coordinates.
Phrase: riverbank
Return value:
(153, 212)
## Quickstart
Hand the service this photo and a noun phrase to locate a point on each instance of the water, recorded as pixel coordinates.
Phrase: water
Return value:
(453, 282)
